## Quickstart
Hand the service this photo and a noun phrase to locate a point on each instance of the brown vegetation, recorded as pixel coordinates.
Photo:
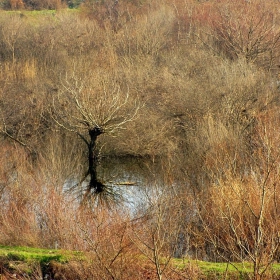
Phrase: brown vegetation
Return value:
(182, 93)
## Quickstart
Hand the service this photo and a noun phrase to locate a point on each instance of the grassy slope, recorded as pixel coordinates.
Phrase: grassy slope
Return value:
(29, 256)
(28, 261)
(35, 254)
(220, 270)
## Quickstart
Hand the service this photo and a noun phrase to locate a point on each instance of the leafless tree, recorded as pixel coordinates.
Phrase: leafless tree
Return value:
(91, 104)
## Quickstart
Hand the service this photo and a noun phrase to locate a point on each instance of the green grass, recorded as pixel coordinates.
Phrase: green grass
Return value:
(31, 13)
(27, 260)
(36, 13)
(28, 254)
(216, 267)
(219, 270)
(35, 17)
(222, 267)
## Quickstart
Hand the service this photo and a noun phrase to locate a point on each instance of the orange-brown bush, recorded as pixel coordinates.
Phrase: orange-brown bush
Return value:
(243, 29)
(239, 211)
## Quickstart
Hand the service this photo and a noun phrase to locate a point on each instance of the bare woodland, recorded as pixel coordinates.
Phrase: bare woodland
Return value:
(183, 94)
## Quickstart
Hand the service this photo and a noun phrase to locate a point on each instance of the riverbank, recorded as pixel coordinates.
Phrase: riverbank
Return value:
(37, 263)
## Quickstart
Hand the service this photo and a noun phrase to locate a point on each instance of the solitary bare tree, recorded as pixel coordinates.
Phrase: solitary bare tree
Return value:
(91, 104)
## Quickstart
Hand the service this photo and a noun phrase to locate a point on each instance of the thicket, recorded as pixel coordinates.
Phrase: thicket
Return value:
(187, 90)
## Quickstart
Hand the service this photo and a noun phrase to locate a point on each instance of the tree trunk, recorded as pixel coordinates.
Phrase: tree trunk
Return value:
(93, 160)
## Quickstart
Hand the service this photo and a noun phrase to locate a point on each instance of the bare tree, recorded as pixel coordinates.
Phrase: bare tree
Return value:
(91, 104)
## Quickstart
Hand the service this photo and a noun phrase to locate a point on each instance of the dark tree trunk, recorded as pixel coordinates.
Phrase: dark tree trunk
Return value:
(93, 160)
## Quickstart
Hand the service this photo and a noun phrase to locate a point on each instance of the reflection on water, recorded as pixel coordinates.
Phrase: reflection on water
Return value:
(130, 178)
(128, 182)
